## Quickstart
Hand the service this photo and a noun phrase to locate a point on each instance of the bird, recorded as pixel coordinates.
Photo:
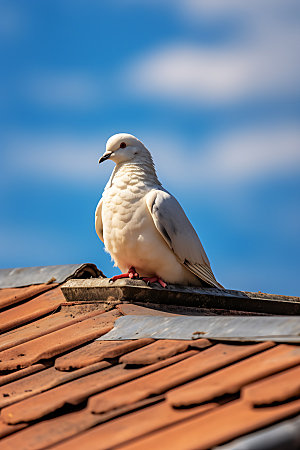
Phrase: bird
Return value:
(143, 227)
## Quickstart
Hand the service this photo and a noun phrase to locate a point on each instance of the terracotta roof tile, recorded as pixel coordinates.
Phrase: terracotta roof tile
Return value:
(57, 342)
(155, 352)
(136, 310)
(11, 296)
(6, 430)
(232, 378)
(43, 326)
(32, 309)
(132, 426)
(275, 389)
(77, 391)
(42, 381)
(159, 382)
(215, 427)
(97, 351)
(13, 376)
(51, 431)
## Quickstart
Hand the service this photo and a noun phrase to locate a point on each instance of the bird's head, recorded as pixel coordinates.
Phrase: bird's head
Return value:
(123, 147)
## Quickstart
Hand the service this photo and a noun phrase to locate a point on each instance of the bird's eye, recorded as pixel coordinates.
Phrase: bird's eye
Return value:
(123, 145)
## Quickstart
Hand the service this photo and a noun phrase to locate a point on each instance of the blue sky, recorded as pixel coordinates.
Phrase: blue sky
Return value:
(212, 89)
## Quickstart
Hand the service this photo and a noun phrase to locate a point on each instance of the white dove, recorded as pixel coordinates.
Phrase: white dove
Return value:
(142, 225)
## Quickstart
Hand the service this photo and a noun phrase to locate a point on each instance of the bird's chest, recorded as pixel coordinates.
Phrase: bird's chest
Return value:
(125, 217)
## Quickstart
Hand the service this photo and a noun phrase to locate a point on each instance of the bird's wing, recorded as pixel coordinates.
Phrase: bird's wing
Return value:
(98, 220)
(176, 229)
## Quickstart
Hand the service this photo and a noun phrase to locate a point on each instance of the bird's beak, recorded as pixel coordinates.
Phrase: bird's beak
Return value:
(104, 157)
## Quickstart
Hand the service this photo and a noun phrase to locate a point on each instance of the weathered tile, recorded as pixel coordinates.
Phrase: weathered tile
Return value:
(31, 310)
(215, 427)
(131, 426)
(159, 382)
(6, 430)
(277, 388)
(77, 391)
(13, 376)
(43, 326)
(232, 378)
(57, 342)
(54, 430)
(42, 381)
(137, 310)
(97, 351)
(155, 352)
(11, 296)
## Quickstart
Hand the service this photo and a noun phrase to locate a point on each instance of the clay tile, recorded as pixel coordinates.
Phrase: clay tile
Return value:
(212, 428)
(97, 351)
(121, 430)
(53, 344)
(73, 392)
(33, 309)
(11, 296)
(137, 310)
(276, 389)
(170, 377)
(155, 352)
(42, 381)
(231, 379)
(40, 327)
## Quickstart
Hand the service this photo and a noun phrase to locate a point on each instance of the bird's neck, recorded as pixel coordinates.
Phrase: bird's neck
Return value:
(140, 170)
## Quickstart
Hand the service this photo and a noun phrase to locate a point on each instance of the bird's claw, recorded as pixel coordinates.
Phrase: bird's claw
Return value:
(132, 274)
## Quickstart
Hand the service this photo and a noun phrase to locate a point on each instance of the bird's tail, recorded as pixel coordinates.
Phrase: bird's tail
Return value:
(203, 272)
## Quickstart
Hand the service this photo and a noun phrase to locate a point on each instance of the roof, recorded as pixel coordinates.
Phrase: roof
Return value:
(61, 387)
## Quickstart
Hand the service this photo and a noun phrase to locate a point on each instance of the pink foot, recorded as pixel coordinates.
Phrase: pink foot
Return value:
(154, 279)
(130, 274)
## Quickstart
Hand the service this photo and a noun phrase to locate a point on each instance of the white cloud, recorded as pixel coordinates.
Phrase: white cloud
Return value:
(262, 61)
(217, 8)
(66, 158)
(190, 73)
(236, 159)
(63, 89)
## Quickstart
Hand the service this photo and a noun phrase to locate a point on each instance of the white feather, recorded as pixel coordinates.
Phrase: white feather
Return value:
(142, 225)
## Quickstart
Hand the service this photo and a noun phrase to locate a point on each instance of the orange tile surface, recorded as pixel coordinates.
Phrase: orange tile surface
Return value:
(6, 430)
(42, 381)
(43, 326)
(59, 388)
(159, 382)
(51, 431)
(13, 376)
(137, 310)
(97, 351)
(215, 427)
(32, 309)
(11, 296)
(137, 424)
(278, 388)
(232, 378)
(155, 352)
(57, 342)
(77, 391)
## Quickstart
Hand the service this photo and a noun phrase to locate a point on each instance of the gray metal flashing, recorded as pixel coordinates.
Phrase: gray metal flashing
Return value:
(19, 277)
(208, 298)
(283, 436)
(222, 328)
